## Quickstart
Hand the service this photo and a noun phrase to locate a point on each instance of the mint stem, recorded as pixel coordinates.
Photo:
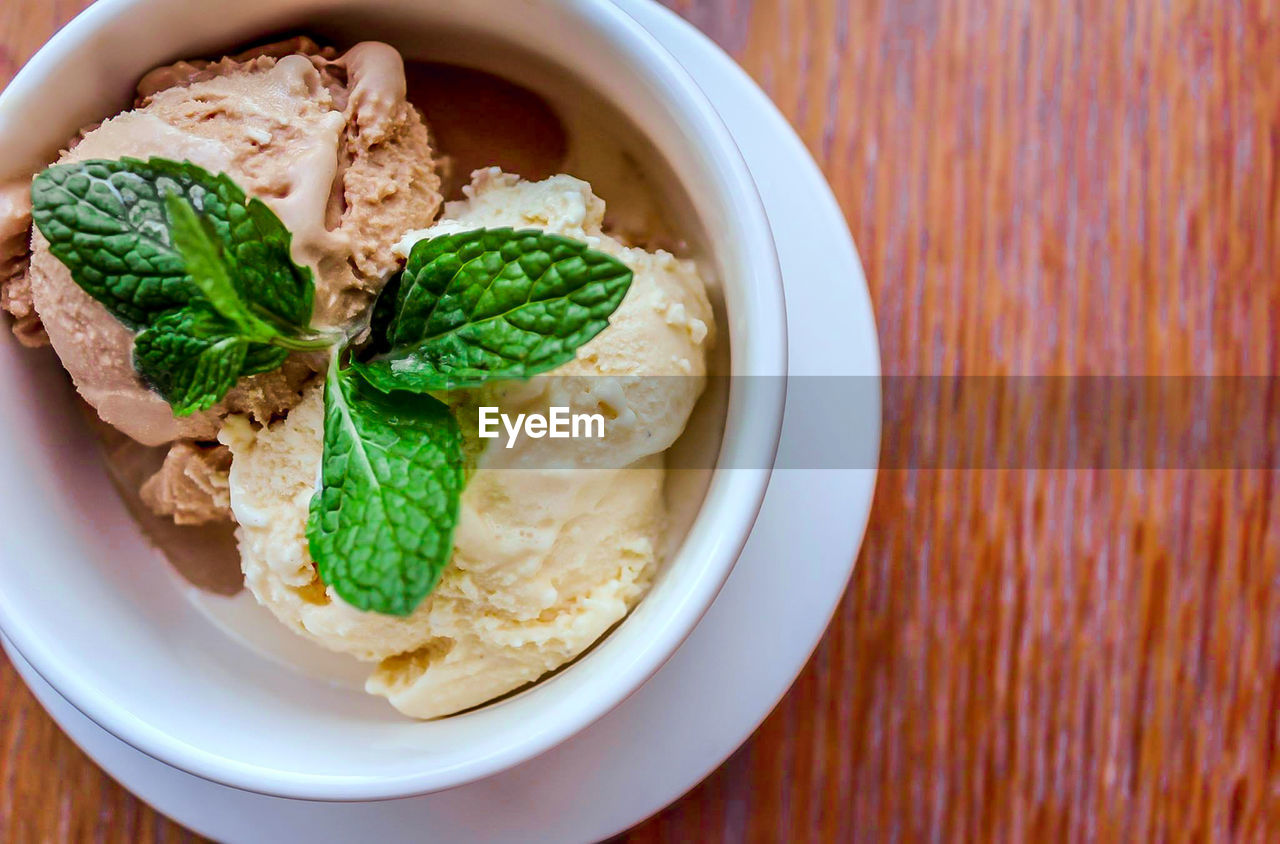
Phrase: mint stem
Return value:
(306, 344)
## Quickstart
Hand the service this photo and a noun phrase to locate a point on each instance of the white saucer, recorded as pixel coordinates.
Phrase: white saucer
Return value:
(743, 655)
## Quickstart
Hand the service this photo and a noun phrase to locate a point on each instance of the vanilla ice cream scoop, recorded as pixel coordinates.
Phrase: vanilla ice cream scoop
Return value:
(328, 142)
(547, 558)
(544, 563)
(643, 374)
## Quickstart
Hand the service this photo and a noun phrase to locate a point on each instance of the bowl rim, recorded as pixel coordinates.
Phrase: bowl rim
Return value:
(753, 427)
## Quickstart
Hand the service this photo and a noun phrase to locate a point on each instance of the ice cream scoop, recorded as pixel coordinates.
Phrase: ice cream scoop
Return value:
(643, 373)
(327, 141)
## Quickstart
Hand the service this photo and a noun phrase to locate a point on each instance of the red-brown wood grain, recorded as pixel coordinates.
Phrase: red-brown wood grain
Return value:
(1036, 188)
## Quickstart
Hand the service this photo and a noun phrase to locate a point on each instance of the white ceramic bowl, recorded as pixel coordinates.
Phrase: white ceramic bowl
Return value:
(92, 607)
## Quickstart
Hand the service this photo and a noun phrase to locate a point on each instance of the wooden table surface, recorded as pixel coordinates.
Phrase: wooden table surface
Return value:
(1035, 187)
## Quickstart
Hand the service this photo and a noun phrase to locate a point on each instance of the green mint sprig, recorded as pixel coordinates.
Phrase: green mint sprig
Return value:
(203, 275)
(492, 304)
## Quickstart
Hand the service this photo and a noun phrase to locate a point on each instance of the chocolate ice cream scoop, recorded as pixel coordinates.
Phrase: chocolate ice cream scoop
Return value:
(328, 142)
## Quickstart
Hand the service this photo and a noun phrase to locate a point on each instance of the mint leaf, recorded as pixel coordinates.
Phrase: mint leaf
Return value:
(381, 527)
(493, 303)
(107, 222)
(261, 249)
(190, 357)
(208, 268)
